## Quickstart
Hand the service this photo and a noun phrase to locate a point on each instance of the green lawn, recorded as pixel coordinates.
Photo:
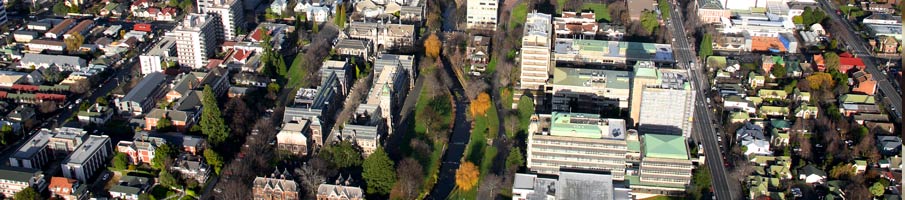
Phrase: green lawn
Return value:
(518, 15)
(525, 110)
(600, 10)
(664, 8)
(297, 72)
(478, 152)
(160, 192)
(432, 163)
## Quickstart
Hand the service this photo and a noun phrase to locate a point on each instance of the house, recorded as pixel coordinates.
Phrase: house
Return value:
(755, 80)
(182, 115)
(67, 189)
(138, 151)
(767, 62)
(772, 94)
(819, 62)
(860, 166)
(738, 103)
(752, 137)
(188, 143)
(192, 166)
(96, 114)
(14, 179)
(278, 185)
(292, 139)
(339, 192)
(478, 53)
(780, 139)
(318, 13)
(774, 111)
(848, 62)
(42, 61)
(129, 187)
(278, 6)
(805, 111)
(889, 145)
(864, 83)
(811, 174)
(885, 44)
(57, 31)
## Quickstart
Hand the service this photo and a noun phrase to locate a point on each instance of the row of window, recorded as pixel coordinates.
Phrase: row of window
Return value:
(580, 144)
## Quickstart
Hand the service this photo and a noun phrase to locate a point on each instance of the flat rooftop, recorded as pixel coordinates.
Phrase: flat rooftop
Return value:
(585, 125)
(33, 145)
(664, 146)
(89, 148)
(614, 49)
(592, 78)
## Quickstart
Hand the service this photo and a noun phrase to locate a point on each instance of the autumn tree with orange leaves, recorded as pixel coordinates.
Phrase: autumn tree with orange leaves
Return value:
(467, 176)
(480, 105)
(432, 46)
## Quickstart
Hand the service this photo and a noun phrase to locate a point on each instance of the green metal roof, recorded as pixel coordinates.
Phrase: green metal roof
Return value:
(765, 92)
(562, 125)
(857, 98)
(634, 146)
(645, 72)
(665, 146)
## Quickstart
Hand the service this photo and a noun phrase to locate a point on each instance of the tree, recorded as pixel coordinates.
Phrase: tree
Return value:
(467, 176)
(186, 5)
(101, 101)
(4, 131)
(841, 171)
(812, 16)
(164, 124)
(480, 105)
(167, 179)
(213, 159)
(341, 155)
(173, 3)
(515, 158)
(378, 173)
(120, 161)
(161, 156)
(74, 42)
(831, 60)
(74, 9)
(706, 46)
(340, 18)
(314, 27)
(272, 90)
(60, 8)
(212, 123)
(820, 80)
(649, 21)
(28, 193)
(432, 46)
(790, 87)
(410, 177)
(877, 189)
(778, 71)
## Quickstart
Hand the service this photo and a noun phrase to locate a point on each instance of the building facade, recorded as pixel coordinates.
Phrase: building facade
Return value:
(14, 180)
(577, 140)
(88, 158)
(665, 165)
(590, 90)
(197, 39)
(535, 56)
(229, 12)
(277, 186)
(481, 14)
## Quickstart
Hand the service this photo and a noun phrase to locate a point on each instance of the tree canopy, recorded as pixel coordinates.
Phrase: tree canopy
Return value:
(812, 16)
(779, 70)
(379, 173)
(877, 189)
(341, 155)
(213, 159)
(212, 123)
(161, 156)
(74, 42)
(649, 21)
(820, 80)
(28, 193)
(480, 105)
(831, 60)
(515, 158)
(432, 46)
(167, 179)
(467, 176)
(120, 161)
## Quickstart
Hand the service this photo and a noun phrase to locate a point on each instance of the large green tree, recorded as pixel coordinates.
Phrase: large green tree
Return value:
(515, 158)
(877, 189)
(28, 193)
(120, 161)
(161, 155)
(649, 21)
(167, 179)
(341, 155)
(213, 159)
(164, 124)
(831, 60)
(706, 46)
(212, 123)
(779, 70)
(812, 16)
(378, 173)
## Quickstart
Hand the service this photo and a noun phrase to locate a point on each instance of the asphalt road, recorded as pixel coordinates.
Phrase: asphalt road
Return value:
(686, 58)
(859, 48)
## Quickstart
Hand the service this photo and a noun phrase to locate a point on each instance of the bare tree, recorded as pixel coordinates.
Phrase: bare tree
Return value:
(47, 106)
(311, 175)
(420, 147)
(237, 108)
(233, 189)
(489, 187)
(410, 175)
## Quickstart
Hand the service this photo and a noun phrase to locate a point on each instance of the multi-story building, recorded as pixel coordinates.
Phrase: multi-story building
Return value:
(577, 140)
(34, 153)
(665, 165)
(3, 18)
(481, 14)
(42, 61)
(292, 139)
(667, 105)
(138, 151)
(645, 73)
(192, 166)
(197, 39)
(573, 24)
(67, 189)
(144, 96)
(229, 12)
(383, 35)
(609, 52)
(277, 186)
(339, 192)
(88, 158)
(536, 57)
(590, 90)
(570, 184)
(13, 180)
(162, 52)
(65, 140)
(711, 11)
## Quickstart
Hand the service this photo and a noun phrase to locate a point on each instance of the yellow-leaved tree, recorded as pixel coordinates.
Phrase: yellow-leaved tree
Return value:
(467, 176)
(480, 104)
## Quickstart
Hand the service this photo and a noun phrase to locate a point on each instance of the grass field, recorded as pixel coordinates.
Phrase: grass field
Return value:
(601, 11)
(296, 72)
(431, 164)
(478, 151)
(518, 14)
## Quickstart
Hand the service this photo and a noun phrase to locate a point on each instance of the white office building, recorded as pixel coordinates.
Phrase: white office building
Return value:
(536, 57)
(197, 39)
(162, 51)
(482, 14)
(88, 158)
(230, 13)
(667, 105)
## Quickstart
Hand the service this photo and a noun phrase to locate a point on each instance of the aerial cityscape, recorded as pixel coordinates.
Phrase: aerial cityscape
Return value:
(451, 99)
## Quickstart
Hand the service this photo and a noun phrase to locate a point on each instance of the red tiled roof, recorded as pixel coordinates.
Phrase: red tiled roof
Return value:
(169, 10)
(241, 54)
(61, 182)
(153, 10)
(868, 87)
(139, 2)
(213, 63)
(258, 35)
(848, 61)
(846, 55)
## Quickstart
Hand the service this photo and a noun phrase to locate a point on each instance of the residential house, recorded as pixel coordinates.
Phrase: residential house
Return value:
(318, 13)
(138, 151)
(130, 187)
(42, 61)
(292, 139)
(13, 180)
(810, 174)
(96, 114)
(192, 166)
(819, 62)
(889, 145)
(738, 103)
(752, 137)
(67, 189)
(58, 30)
(755, 80)
(857, 103)
(277, 186)
(91, 156)
(885, 44)
(278, 6)
(339, 192)
(478, 53)
(805, 111)
(860, 166)
(847, 62)
(772, 94)
(864, 83)
(188, 143)
(774, 111)
(767, 62)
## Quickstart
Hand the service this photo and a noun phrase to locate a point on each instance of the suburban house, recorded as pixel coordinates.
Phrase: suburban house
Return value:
(810, 174)
(13, 180)
(67, 189)
(752, 139)
(129, 187)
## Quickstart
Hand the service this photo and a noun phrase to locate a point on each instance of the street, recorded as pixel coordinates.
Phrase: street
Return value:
(686, 57)
(859, 49)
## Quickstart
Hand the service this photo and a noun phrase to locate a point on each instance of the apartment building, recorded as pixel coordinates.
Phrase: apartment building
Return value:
(229, 12)
(645, 73)
(143, 97)
(13, 180)
(590, 90)
(34, 153)
(667, 105)
(162, 51)
(665, 165)
(535, 56)
(605, 52)
(88, 158)
(197, 39)
(481, 14)
(577, 140)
